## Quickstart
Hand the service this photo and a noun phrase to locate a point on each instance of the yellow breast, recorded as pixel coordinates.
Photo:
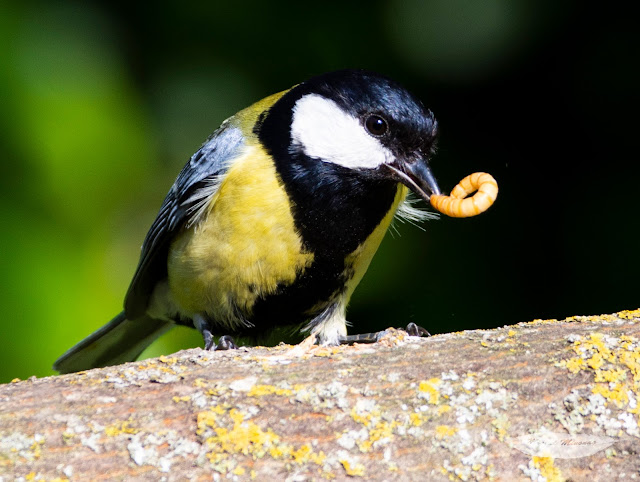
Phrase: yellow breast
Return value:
(245, 246)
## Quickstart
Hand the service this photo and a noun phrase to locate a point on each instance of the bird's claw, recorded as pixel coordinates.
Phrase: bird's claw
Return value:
(414, 330)
(226, 342)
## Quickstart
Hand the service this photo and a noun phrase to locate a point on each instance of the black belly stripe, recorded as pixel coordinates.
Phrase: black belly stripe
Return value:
(335, 211)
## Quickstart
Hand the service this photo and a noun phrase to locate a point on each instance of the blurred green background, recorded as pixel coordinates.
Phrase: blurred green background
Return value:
(101, 103)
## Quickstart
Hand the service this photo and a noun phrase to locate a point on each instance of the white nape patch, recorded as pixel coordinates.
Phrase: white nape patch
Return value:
(326, 132)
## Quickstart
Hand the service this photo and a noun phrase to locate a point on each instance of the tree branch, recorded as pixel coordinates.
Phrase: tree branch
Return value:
(468, 405)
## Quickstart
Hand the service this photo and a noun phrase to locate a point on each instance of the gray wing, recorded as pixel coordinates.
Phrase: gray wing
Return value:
(186, 200)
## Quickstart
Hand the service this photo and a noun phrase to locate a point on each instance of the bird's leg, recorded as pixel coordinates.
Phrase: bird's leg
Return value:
(203, 325)
(412, 330)
(208, 339)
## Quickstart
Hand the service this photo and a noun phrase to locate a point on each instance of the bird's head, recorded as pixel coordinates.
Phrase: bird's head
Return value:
(360, 121)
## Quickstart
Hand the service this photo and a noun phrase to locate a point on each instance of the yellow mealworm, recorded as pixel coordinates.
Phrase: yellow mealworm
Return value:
(458, 205)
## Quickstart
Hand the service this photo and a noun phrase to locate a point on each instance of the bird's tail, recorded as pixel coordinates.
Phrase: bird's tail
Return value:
(119, 341)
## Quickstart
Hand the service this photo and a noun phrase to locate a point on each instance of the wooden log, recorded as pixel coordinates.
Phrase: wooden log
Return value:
(510, 404)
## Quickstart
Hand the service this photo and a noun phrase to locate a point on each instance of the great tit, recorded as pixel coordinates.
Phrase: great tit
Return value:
(275, 219)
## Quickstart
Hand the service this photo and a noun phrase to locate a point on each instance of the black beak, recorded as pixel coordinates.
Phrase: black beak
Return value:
(416, 175)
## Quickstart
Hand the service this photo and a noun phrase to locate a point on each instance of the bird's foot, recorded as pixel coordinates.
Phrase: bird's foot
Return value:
(414, 330)
(226, 343)
(203, 325)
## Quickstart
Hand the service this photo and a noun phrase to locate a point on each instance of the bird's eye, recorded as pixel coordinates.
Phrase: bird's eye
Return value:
(376, 125)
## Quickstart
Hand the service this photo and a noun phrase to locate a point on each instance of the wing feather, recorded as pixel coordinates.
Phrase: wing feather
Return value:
(185, 203)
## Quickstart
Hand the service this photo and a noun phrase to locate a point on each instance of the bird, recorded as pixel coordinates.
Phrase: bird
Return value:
(274, 221)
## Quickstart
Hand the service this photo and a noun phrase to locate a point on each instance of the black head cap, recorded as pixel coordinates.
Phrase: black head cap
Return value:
(356, 120)
(410, 127)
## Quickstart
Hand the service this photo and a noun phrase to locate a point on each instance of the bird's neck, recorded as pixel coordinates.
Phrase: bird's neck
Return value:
(336, 209)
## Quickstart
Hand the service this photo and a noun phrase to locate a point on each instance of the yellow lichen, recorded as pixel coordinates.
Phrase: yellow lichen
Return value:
(416, 419)
(444, 409)
(212, 392)
(306, 454)
(629, 314)
(615, 364)
(244, 437)
(431, 388)
(185, 398)
(300, 456)
(228, 433)
(378, 428)
(574, 365)
(595, 361)
(200, 383)
(169, 360)
(147, 365)
(119, 428)
(326, 351)
(500, 425)
(206, 419)
(36, 448)
(365, 416)
(611, 375)
(443, 431)
(382, 430)
(539, 321)
(547, 469)
(261, 390)
(355, 470)
(615, 392)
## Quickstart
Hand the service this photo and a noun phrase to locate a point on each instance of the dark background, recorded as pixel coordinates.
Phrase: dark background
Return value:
(101, 103)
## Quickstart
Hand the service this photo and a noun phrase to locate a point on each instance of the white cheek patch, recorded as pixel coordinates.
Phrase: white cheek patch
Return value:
(324, 131)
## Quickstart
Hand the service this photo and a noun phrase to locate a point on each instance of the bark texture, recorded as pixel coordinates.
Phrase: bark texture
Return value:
(509, 404)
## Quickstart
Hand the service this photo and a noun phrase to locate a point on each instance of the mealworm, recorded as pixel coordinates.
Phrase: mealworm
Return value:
(458, 205)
